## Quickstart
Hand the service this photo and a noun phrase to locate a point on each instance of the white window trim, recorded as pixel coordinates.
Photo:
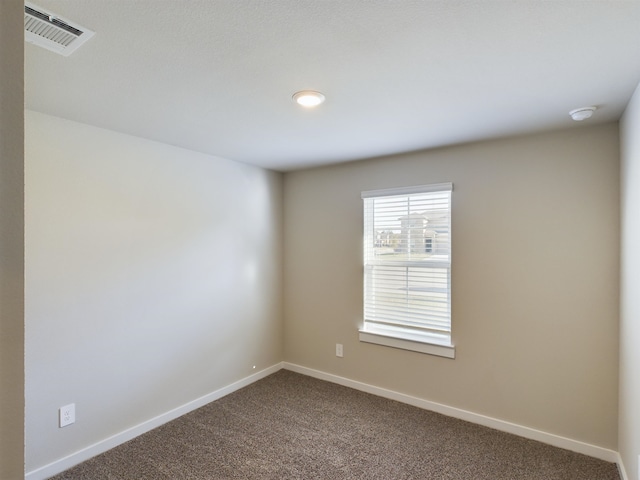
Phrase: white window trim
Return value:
(424, 345)
(432, 344)
(387, 192)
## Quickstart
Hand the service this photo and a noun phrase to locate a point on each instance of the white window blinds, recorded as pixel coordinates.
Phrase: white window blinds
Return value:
(407, 263)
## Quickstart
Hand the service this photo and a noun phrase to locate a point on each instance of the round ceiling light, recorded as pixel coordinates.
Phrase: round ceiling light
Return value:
(308, 98)
(583, 113)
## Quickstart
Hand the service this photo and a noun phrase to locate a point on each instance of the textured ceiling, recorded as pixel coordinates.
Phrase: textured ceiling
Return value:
(217, 76)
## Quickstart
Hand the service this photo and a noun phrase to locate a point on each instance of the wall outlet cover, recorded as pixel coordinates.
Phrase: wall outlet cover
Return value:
(67, 415)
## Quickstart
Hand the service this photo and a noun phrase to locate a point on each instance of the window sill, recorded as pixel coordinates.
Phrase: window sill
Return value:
(388, 339)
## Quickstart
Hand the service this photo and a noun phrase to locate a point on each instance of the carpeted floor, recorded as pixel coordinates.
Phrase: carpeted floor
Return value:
(290, 426)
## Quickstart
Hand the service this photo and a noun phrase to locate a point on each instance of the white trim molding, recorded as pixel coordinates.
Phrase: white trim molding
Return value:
(621, 469)
(90, 451)
(422, 346)
(102, 446)
(504, 426)
(385, 192)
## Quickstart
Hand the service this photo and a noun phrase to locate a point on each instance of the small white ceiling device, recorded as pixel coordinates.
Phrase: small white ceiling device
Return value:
(308, 98)
(49, 31)
(580, 114)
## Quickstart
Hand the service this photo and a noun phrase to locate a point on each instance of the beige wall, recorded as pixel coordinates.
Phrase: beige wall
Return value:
(11, 240)
(153, 277)
(535, 279)
(629, 418)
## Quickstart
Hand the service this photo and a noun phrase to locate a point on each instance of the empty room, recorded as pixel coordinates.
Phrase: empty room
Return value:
(320, 239)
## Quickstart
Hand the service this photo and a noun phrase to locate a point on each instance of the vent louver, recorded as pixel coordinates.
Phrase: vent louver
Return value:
(51, 32)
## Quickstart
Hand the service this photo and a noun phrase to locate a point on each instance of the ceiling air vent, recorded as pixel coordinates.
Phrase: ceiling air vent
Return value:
(51, 32)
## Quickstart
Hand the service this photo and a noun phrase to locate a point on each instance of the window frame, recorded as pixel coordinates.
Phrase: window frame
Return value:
(434, 343)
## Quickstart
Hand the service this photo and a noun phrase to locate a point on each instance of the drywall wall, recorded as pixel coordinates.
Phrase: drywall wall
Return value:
(629, 416)
(11, 240)
(153, 277)
(535, 235)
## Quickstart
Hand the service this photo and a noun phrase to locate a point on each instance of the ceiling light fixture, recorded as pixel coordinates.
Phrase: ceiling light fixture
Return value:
(583, 113)
(308, 98)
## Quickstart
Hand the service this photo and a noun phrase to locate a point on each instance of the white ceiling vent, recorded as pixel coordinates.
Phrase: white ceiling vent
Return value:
(51, 32)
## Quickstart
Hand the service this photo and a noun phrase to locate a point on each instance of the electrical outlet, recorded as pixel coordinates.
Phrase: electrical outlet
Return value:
(67, 415)
(339, 351)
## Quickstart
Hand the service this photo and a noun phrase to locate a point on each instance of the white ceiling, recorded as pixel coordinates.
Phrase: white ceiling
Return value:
(216, 76)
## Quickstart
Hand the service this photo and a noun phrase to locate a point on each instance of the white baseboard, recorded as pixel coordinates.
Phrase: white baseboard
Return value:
(621, 469)
(115, 440)
(526, 432)
(75, 458)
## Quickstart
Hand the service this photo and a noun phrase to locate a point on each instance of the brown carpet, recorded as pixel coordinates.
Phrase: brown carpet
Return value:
(290, 426)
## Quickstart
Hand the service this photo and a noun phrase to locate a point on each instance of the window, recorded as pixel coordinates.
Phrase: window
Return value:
(407, 268)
